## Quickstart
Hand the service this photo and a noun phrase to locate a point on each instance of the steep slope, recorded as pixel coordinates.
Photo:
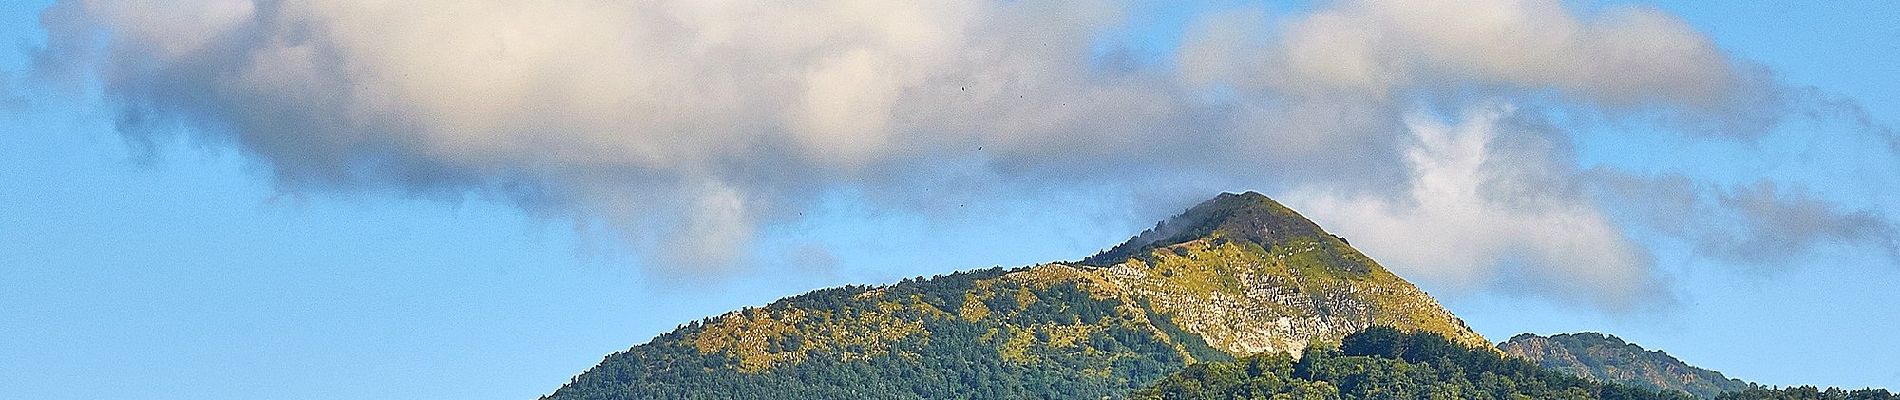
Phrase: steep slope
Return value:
(1236, 275)
(1250, 275)
(1609, 359)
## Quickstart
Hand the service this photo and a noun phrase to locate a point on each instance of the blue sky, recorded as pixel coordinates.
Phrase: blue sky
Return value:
(214, 265)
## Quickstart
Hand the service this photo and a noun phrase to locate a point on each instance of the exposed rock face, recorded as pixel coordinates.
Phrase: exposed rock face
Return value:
(1249, 275)
(1607, 358)
(1236, 275)
(1245, 300)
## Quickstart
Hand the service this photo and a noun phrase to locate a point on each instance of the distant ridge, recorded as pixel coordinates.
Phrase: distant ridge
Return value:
(1607, 358)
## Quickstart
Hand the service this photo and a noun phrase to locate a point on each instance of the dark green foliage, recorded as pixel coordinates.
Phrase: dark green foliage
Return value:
(1807, 393)
(1384, 363)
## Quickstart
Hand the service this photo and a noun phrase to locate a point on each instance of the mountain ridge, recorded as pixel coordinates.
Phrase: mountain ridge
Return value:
(1385, 363)
(1608, 358)
(1237, 275)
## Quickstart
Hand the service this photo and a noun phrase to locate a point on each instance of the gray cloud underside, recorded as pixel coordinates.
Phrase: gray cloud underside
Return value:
(685, 126)
(1763, 224)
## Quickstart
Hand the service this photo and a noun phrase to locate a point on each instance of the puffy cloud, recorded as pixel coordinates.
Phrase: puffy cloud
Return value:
(682, 121)
(1338, 80)
(1492, 191)
(687, 125)
(1620, 56)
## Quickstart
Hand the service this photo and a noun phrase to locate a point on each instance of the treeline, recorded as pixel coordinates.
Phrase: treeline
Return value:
(1384, 363)
(1807, 393)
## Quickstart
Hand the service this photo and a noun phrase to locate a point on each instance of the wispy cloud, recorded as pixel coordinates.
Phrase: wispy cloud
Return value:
(1762, 224)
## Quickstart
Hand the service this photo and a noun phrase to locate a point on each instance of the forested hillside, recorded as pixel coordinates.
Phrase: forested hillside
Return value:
(1236, 275)
(1385, 363)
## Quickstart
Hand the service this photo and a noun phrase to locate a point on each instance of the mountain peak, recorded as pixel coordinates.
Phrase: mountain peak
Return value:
(1236, 275)
(1247, 216)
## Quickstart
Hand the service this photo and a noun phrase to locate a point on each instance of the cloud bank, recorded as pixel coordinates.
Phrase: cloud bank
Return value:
(686, 126)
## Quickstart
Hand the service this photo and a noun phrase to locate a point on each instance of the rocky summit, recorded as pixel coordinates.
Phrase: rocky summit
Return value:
(1250, 275)
(1236, 275)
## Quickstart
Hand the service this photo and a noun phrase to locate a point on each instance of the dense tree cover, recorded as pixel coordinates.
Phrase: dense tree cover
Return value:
(1385, 363)
(1012, 351)
(1807, 393)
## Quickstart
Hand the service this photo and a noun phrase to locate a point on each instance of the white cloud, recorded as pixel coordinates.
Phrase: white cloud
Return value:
(689, 121)
(1622, 56)
(686, 125)
(1467, 213)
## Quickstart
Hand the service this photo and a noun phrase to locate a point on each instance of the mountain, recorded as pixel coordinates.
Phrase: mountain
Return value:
(1250, 275)
(1236, 275)
(1385, 363)
(1608, 358)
